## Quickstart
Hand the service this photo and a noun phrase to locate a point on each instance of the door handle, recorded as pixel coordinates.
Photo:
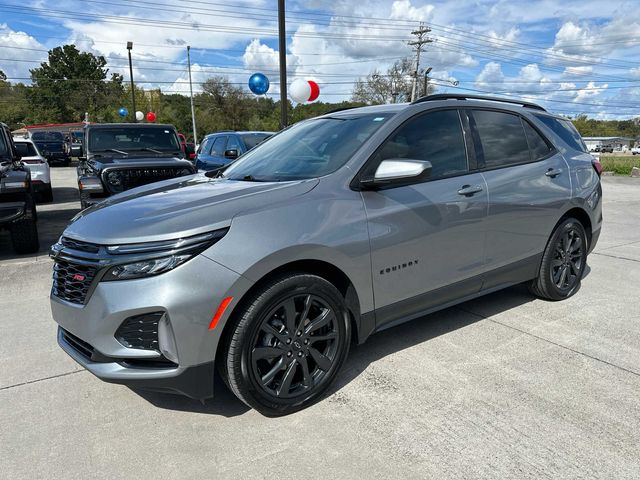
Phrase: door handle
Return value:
(469, 190)
(553, 172)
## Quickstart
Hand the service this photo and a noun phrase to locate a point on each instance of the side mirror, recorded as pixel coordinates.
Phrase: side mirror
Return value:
(231, 153)
(395, 172)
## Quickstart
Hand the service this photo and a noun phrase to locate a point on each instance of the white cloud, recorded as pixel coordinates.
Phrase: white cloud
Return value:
(490, 77)
(21, 59)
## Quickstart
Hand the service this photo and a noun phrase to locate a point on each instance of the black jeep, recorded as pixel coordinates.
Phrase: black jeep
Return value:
(121, 156)
(17, 208)
(52, 145)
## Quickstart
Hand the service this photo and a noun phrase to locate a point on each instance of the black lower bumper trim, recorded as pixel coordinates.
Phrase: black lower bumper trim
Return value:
(194, 382)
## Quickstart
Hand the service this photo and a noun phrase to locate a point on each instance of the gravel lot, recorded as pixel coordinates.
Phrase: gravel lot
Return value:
(501, 387)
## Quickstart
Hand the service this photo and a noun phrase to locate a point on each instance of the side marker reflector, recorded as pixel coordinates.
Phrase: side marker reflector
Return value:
(221, 309)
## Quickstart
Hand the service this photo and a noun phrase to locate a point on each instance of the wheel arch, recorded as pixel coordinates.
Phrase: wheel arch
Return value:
(321, 268)
(582, 216)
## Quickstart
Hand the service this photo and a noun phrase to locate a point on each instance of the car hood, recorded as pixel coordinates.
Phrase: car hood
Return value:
(137, 161)
(177, 208)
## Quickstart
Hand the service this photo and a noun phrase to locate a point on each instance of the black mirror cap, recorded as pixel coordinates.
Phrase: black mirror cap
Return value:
(231, 153)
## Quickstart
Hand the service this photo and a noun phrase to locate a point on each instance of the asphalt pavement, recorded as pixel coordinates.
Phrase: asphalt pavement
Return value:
(506, 386)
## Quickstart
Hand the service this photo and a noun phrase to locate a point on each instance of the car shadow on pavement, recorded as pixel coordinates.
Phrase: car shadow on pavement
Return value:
(426, 328)
(225, 403)
(375, 348)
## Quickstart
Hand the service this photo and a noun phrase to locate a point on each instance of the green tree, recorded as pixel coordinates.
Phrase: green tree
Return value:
(71, 83)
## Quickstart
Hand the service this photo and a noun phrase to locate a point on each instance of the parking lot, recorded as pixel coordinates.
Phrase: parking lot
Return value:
(505, 386)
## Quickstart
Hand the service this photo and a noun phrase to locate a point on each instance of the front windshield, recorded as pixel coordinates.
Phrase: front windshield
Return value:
(132, 139)
(47, 137)
(307, 150)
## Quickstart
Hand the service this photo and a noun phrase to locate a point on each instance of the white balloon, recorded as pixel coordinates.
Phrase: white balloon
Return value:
(139, 115)
(300, 90)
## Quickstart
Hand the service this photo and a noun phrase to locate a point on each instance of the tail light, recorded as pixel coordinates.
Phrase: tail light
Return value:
(597, 166)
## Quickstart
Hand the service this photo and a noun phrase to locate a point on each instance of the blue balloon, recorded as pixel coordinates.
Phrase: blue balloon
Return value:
(123, 112)
(259, 83)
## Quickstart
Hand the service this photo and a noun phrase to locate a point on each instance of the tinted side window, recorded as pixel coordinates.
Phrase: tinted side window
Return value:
(217, 149)
(436, 137)
(565, 130)
(204, 146)
(233, 144)
(502, 138)
(538, 145)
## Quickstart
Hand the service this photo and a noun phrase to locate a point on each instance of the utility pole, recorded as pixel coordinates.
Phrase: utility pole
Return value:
(133, 89)
(421, 39)
(282, 47)
(193, 111)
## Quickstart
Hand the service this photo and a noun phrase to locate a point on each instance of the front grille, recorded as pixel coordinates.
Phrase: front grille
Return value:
(140, 331)
(80, 246)
(72, 281)
(80, 346)
(125, 179)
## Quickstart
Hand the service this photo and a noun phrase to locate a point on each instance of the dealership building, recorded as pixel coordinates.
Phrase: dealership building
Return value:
(618, 143)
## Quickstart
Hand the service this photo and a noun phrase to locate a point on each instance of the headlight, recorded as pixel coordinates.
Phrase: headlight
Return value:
(114, 179)
(145, 268)
(139, 260)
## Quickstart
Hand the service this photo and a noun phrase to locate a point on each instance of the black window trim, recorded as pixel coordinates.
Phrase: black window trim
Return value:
(481, 166)
(355, 183)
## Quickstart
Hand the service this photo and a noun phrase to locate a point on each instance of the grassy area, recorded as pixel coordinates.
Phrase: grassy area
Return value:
(619, 165)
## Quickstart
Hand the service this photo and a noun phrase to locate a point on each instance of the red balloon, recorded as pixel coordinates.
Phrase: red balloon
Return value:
(151, 117)
(315, 91)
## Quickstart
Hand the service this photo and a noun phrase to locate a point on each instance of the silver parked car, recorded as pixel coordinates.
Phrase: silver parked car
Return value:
(331, 230)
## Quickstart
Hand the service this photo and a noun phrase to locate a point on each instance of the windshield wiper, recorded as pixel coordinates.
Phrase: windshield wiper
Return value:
(114, 150)
(149, 149)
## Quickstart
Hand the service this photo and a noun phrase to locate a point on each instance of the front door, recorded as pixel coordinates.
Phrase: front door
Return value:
(427, 239)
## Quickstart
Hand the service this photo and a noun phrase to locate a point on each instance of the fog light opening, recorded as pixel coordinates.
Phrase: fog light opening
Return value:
(166, 340)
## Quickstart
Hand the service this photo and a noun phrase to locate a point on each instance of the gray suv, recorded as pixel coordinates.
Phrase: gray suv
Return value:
(333, 229)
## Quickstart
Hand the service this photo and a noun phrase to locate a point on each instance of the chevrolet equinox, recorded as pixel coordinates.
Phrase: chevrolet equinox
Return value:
(333, 229)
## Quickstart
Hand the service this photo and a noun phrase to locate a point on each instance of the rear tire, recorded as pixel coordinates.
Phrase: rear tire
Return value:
(286, 344)
(24, 235)
(563, 262)
(47, 195)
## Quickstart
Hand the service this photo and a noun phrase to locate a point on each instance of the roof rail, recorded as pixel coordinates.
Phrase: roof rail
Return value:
(464, 96)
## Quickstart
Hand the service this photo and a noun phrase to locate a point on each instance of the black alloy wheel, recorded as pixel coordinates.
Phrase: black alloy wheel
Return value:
(295, 346)
(286, 344)
(567, 264)
(563, 262)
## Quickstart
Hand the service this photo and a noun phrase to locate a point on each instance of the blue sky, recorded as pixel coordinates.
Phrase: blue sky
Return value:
(572, 56)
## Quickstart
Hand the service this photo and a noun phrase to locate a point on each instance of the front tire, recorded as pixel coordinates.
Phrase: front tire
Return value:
(563, 262)
(287, 344)
(24, 234)
(47, 195)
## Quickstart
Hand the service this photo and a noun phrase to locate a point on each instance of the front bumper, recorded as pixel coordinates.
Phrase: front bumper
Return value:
(194, 382)
(188, 296)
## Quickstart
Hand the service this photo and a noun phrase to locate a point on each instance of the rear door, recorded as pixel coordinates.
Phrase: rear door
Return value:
(528, 185)
(427, 239)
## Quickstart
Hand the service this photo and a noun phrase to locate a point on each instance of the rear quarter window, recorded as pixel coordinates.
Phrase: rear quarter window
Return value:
(565, 130)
